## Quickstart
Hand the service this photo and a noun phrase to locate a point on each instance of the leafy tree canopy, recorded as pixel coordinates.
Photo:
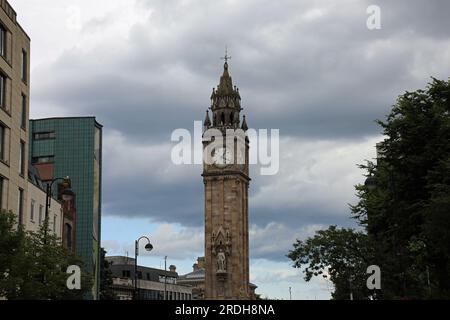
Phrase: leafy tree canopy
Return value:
(406, 217)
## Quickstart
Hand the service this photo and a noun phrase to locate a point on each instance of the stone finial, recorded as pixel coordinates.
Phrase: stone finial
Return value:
(244, 125)
(207, 122)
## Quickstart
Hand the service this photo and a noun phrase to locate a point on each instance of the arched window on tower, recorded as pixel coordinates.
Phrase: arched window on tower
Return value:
(222, 119)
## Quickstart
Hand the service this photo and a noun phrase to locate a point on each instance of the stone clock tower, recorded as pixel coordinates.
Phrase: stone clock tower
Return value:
(226, 180)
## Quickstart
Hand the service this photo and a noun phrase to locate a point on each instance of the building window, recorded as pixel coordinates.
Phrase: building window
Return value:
(2, 141)
(45, 159)
(41, 210)
(148, 276)
(20, 206)
(2, 41)
(68, 234)
(125, 273)
(32, 210)
(3, 82)
(44, 135)
(24, 65)
(22, 158)
(54, 223)
(24, 112)
(2, 180)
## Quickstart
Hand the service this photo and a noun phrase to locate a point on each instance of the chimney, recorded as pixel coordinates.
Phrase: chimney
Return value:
(172, 268)
(195, 267)
(201, 262)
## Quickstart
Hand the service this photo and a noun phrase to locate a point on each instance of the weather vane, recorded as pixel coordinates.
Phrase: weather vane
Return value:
(227, 57)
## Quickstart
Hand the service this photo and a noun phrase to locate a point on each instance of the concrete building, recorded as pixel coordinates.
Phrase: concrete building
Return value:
(72, 147)
(35, 209)
(21, 190)
(14, 110)
(195, 279)
(153, 284)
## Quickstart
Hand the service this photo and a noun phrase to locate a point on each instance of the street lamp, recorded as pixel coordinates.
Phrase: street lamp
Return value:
(67, 195)
(148, 247)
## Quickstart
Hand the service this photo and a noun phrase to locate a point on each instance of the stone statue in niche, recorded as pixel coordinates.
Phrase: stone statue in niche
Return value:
(221, 249)
(221, 261)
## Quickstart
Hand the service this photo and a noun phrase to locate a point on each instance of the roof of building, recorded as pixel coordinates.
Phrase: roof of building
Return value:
(12, 14)
(198, 274)
(68, 118)
(119, 262)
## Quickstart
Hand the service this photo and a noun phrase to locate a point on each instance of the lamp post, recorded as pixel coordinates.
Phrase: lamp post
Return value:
(148, 247)
(67, 195)
(165, 278)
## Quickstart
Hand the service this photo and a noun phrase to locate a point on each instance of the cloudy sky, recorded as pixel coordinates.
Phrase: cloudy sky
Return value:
(309, 68)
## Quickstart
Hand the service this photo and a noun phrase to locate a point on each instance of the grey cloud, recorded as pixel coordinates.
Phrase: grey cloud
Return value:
(422, 18)
(314, 184)
(311, 69)
(311, 78)
(96, 24)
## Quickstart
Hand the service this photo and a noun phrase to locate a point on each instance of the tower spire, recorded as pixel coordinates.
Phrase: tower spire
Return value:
(225, 100)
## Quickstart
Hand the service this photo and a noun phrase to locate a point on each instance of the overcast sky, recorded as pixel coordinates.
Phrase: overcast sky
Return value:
(309, 68)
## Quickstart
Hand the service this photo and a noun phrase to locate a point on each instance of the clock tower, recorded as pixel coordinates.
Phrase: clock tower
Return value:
(226, 180)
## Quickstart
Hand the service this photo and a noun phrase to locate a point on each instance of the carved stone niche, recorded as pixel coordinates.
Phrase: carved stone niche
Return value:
(221, 250)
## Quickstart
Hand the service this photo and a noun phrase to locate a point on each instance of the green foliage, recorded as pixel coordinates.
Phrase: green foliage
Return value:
(406, 217)
(33, 265)
(340, 255)
(12, 241)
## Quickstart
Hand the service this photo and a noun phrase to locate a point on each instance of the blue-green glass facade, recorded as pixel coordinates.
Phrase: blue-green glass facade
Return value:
(76, 147)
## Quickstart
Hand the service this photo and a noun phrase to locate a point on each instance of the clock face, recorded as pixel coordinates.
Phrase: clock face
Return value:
(222, 157)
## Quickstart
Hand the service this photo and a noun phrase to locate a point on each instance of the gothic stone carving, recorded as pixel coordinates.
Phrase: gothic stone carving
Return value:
(221, 249)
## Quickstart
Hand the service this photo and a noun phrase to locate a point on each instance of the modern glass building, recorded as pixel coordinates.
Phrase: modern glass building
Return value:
(61, 147)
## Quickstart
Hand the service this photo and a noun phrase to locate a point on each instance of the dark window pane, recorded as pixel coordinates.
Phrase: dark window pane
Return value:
(2, 91)
(2, 41)
(22, 158)
(2, 142)
(20, 206)
(24, 65)
(44, 135)
(1, 192)
(24, 111)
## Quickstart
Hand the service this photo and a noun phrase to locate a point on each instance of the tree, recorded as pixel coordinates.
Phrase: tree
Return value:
(406, 216)
(12, 257)
(106, 279)
(341, 255)
(35, 264)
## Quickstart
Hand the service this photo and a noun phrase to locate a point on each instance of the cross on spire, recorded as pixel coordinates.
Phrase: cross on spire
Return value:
(227, 57)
